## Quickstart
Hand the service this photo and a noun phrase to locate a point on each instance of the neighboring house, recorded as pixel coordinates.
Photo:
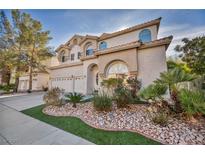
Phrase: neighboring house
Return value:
(40, 81)
(84, 61)
(40, 78)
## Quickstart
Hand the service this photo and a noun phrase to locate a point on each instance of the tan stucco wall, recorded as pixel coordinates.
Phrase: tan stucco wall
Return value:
(129, 37)
(151, 62)
(127, 56)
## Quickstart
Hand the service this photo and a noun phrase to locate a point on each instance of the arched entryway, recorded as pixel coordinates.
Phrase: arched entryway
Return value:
(92, 78)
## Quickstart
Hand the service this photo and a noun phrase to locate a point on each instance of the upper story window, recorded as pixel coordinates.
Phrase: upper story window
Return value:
(72, 56)
(62, 56)
(79, 54)
(89, 50)
(102, 45)
(145, 35)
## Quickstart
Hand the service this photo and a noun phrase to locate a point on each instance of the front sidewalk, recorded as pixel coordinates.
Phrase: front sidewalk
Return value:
(17, 128)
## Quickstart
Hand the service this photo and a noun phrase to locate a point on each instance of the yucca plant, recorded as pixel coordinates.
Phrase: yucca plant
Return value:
(102, 102)
(75, 98)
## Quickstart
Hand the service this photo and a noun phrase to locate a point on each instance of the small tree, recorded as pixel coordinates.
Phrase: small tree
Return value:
(37, 41)
(193, 54)
(172, 79)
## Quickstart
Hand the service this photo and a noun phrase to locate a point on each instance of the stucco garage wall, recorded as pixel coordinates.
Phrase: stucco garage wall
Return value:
(70, 79)
(151, 62)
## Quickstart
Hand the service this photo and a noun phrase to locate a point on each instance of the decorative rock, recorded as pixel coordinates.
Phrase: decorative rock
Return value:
(135, 118)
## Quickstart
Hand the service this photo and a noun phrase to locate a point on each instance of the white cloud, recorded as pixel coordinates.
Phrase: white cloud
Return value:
(179, 32)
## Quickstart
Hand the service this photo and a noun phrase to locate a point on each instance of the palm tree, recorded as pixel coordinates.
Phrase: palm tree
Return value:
(173, 78)
(75, 98)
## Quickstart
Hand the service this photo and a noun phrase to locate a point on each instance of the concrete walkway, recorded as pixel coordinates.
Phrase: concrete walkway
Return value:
(18, 128)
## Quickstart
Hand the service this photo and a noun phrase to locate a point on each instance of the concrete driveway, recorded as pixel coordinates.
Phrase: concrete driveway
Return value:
(23, 101)
(18, 128)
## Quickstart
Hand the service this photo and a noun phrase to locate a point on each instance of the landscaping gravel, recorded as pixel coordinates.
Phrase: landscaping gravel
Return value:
(134, 118)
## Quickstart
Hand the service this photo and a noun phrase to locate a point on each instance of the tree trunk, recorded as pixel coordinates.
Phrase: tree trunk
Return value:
(74, 105)
(31, 71)
(174, 96)
(16, 84)
(30, 79)
(8, 77)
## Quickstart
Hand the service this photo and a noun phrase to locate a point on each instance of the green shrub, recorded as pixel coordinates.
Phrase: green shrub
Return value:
(192, 102)
(112, 83)
(153, 92)
(7, 88)
(123, 97)
(74, 98)
(53, 97)
(160, 118)
(134, 85)
(102, 102)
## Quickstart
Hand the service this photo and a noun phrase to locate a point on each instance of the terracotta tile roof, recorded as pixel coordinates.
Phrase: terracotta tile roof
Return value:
(136, 27)
(136, 44)
(88, 37)
(162, 41)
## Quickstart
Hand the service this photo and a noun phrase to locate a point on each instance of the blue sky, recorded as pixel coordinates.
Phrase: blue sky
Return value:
(65, 23)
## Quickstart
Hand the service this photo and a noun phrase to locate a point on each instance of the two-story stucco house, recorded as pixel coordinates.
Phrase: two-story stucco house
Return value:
(85, 60)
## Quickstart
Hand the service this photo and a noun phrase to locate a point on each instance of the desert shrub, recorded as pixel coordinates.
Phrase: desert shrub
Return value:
(122, 96)
(102, 102)
(153, 92)
(112, 83)
(74, 98)
(44, 88)
(160, 118)
(192, 102)
(134, 85)
(53, 97)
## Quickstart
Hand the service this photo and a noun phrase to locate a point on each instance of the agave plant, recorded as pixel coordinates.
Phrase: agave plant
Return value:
(75, 98)
(173, 78)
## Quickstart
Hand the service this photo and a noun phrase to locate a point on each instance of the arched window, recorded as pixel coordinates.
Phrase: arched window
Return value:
(89, 50)
(102, 45)
(145, 35)
(116, 68)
